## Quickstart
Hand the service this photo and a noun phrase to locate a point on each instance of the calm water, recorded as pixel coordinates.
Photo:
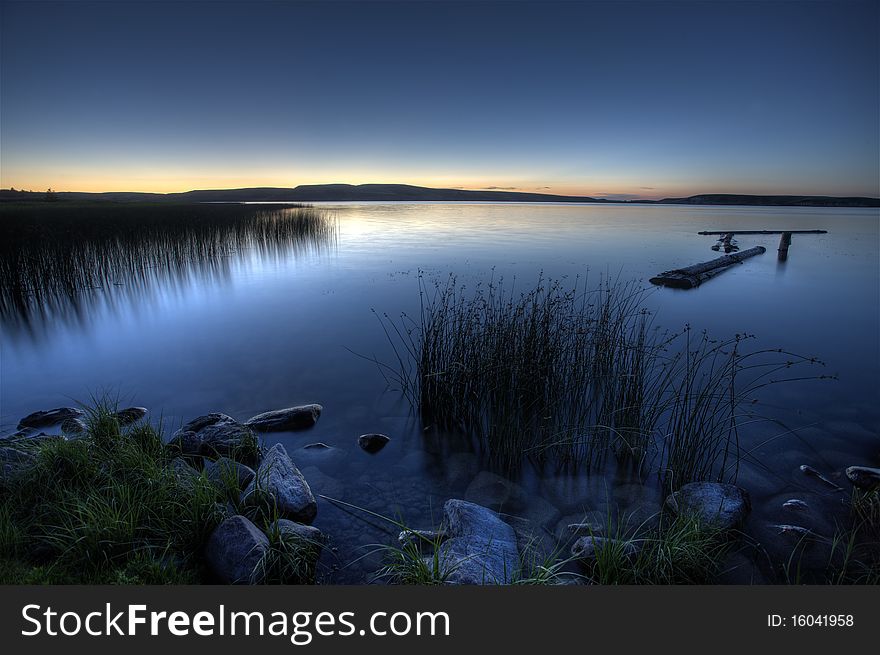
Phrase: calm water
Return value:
(260, 328)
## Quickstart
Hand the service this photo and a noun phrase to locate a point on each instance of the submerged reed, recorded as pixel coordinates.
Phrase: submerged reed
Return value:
(570, 374)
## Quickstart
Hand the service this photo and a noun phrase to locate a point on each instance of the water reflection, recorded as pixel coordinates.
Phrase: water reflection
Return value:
(62, 265)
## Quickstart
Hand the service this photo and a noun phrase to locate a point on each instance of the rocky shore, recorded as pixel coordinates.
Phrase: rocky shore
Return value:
(265, 524)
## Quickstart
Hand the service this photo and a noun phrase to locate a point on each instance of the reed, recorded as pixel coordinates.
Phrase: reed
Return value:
(570, 374)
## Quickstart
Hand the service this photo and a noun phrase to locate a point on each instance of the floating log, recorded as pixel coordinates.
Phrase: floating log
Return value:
(693, 276)
(766, 232)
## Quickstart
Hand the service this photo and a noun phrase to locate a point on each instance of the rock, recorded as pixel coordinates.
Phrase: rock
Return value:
(721, 506)
(130, 415)
(48, 417)
(587, 549)
(291, 418)
(234, 550)
(421, 539)
(500, 494)
(215, 435)
(306, 533)
(480, 548)
(373, 443)
(795, 505)
(185, 473)
(279, 485)
(225, 469)
(73, 426)
(864, 477)
(14, 461)
(318, 454)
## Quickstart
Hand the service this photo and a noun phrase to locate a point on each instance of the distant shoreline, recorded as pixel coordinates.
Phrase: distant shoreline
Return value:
(408, 193)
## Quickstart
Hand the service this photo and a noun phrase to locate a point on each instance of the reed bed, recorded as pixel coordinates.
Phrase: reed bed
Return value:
(57, 259)
(569, 374)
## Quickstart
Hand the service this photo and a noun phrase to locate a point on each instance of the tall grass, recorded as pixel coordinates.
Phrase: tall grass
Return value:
(571, 374)
(57, 259)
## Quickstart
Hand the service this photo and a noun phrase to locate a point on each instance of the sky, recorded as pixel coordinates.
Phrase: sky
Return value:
(617, 99)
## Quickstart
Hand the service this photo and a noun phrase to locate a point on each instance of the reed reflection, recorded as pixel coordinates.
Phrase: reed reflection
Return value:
(63, 264)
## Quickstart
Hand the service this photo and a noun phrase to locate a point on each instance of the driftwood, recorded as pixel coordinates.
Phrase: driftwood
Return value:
(766, 232)
(693, 276)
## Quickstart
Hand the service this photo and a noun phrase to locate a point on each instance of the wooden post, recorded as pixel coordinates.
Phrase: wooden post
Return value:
(784, 243)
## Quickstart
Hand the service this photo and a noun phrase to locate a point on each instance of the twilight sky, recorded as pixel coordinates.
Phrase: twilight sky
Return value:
(621, 99)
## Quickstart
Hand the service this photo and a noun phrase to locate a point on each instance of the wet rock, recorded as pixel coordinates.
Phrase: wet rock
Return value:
(587, 549)
(234, 550)
(815, 511)
(73, 426)
(864, 477)
(225, 470)
(48, 417)
(290, 418)
(307, 533)
(500, 494)
(373, 442)
(459, 469)
(279, 485)
(14, 461)
(480, 548)
(798, 551)
(130, 415)
(214, 435)
(320, 455)
(795, 505)
(722, 506)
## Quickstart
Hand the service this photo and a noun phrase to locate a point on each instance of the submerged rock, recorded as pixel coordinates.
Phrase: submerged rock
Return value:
(721, 506)
(864, 477)
(48, 417)
(502, 495)
(130, 415)
(234, 550)
(215, 435)
(480, 548)
(809, 470)
(225, 469)
(279, 485)
(291, 418)
(73, 426)
(373, 443)
(795, 505)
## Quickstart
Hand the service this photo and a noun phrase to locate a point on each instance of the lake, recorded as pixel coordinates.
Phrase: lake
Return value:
(263, 325)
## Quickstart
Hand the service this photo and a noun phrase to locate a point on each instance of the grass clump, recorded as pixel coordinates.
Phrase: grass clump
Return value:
(570, 374)
(104, 508)
(679, 550)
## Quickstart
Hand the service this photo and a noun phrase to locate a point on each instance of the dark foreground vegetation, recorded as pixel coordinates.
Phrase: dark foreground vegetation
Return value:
(117, 505)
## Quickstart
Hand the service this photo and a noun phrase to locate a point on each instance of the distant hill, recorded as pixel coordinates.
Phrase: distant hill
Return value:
(773, 201)
(409, 193)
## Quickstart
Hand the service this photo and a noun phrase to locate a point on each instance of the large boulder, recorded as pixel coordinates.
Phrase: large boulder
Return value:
(864, 477)
(290, 418)
(479, 547)
(235, 549)
(225, 470)
(718, 505)
(215, 435)
(48, 417)
(74, 426)
(279, 485)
